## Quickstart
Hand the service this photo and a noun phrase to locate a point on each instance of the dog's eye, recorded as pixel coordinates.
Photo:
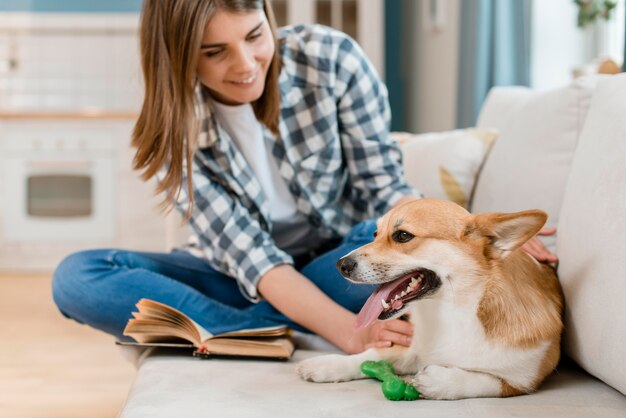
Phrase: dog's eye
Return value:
(402, 236)
(375, 233)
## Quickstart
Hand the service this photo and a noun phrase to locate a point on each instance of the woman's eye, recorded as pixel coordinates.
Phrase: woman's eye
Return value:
(402, 236)
(214, 53)
(255, 35)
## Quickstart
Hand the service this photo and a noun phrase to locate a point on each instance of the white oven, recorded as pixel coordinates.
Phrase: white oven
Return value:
(59, 183)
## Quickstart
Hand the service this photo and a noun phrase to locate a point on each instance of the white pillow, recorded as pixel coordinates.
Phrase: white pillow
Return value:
(592, 240)
(444, 165)
(529, 165)
(501, 104)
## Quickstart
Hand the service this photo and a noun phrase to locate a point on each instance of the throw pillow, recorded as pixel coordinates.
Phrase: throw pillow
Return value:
(444, 165)
(529, 165)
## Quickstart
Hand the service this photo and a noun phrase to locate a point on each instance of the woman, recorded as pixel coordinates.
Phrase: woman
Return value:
(275, 147)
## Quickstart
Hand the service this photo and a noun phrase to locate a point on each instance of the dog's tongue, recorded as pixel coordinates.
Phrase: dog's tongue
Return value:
(373, 307)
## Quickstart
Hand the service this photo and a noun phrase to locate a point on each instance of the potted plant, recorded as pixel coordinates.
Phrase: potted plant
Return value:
(591, 10)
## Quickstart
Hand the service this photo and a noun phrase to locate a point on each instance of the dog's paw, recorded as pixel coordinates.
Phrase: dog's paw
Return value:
(329, 368)
(434, 382)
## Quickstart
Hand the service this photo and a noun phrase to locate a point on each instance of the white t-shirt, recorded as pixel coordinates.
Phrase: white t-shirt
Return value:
(290, 229)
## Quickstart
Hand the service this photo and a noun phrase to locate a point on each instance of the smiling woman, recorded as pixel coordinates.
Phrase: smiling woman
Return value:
(211, 41)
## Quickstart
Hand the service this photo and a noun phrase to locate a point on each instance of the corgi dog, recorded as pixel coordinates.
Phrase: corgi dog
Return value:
(486, 316)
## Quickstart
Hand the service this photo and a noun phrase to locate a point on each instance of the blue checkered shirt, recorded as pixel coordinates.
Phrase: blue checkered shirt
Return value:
(333, 151)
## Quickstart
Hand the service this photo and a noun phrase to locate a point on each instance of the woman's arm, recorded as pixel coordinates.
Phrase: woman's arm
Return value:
(298, 298)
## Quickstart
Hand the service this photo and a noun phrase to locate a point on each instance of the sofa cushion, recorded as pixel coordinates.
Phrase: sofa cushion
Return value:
(445, 165)
(502, 104)
(592, 239)
(178, 386)
(529, 164)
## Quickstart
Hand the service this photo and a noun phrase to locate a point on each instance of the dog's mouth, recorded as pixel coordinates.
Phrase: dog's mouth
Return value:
(390, 298)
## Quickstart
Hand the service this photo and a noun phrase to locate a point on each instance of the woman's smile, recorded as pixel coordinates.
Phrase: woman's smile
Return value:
(245, 81)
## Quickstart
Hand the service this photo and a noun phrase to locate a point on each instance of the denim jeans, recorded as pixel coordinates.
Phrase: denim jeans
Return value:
(100, 287)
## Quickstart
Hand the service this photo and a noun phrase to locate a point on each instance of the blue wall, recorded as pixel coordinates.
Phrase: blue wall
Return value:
(69, 6)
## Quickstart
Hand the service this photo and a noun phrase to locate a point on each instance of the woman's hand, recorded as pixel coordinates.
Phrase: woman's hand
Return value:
(536, 248)
(382, 334)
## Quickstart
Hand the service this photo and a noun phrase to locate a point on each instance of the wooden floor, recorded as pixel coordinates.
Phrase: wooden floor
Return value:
(53, 367)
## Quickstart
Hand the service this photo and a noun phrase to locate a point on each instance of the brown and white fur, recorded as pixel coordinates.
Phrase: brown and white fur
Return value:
(486, 316)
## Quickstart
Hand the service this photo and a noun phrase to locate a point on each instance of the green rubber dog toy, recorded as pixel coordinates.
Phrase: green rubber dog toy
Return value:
(394, 388)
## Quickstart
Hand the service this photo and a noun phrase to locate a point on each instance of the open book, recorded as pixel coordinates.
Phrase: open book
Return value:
(159, 325)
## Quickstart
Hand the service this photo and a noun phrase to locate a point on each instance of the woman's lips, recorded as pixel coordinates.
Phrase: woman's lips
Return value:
(244, 81)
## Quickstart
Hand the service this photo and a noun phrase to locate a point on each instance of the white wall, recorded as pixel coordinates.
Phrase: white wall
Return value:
(557, 44)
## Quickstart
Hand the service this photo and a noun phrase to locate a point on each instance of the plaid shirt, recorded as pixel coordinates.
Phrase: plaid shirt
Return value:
(333, 151)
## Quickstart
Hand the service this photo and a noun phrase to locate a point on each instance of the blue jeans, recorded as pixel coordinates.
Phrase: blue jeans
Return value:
(101, 287)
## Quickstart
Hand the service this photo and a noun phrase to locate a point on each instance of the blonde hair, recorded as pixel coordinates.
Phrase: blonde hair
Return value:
(171, 33)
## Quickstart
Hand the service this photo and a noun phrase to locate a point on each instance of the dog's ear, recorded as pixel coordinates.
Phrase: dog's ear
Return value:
(504, 232)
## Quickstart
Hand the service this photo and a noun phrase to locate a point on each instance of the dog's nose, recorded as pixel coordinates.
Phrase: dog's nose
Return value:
(346, 265)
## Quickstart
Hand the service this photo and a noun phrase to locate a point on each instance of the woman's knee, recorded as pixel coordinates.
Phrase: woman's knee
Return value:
(71, 278)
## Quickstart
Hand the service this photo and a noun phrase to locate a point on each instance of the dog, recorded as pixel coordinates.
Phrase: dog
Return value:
(487, 316)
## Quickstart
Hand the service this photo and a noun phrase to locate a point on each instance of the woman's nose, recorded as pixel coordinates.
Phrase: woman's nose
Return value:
(243, 60)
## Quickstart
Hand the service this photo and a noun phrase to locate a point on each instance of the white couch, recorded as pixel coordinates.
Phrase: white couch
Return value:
(563, 151)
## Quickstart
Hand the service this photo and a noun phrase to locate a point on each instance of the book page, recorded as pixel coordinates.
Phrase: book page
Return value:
(156, 321)
(275, 331)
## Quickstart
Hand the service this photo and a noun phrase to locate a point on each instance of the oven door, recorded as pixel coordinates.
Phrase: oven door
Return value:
(59, 198)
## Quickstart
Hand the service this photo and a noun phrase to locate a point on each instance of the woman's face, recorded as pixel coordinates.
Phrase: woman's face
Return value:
(236, 52)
